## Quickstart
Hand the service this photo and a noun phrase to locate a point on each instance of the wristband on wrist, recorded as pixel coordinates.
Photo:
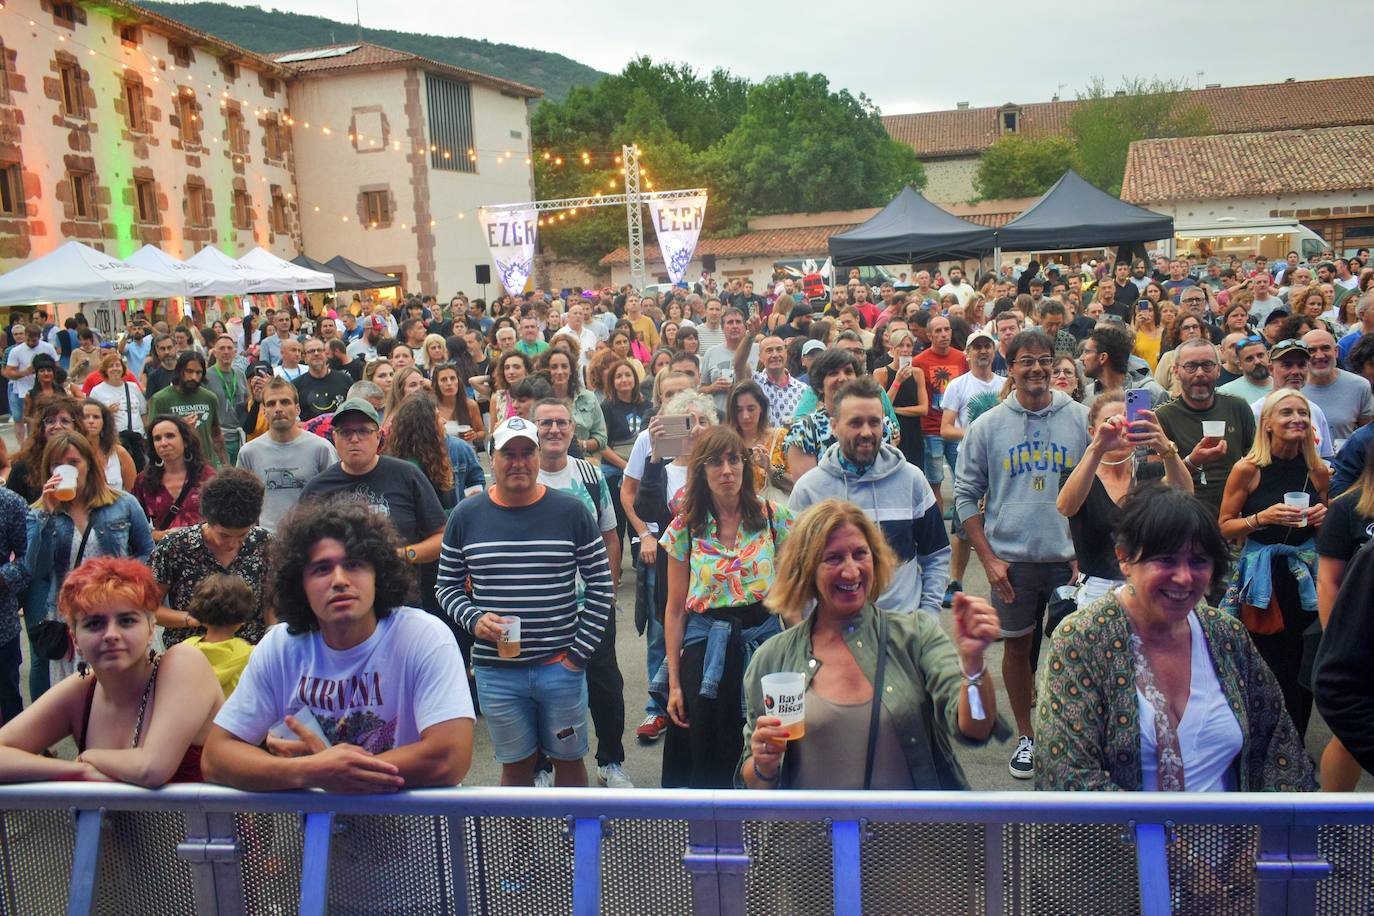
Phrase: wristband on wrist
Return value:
(758, 774)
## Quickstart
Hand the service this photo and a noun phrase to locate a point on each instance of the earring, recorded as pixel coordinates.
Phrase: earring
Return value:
(82, 669)
(186, 455)
(1130, 589)
(152, 654)
(157, 461)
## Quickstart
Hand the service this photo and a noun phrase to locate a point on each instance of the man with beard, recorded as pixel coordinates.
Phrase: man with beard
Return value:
(1126, 291)
(1011, 457)
(321, 388)
(157, 371)
(269, 351)
(374, 330)
(1106, 298)
(1289, 362)
(1106, 356)
(288, 457)
(188, 399)
(1252, 353)
(1197, 369)
(1344, 396)
(863, 469)
(231, 385)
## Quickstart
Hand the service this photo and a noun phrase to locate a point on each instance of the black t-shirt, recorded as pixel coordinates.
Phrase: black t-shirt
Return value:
(158, 379)
(396, 489)
(1093, 528)
(1128, 294)
(625, 421)
(786, 331)
(354, 368)
(322, 395)
(1345, 530)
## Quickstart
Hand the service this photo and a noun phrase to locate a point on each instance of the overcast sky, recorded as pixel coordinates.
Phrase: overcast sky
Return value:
(915, 56)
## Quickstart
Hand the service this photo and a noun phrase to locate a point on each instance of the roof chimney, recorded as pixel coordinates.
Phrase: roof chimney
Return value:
(1290, 80)
(961, 105)
(1214, 85)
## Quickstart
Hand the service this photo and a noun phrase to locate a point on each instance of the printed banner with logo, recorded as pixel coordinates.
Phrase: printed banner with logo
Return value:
(510, 239)
(678, 223)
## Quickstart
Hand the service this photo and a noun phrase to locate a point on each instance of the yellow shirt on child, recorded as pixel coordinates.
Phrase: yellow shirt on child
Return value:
(228, 658)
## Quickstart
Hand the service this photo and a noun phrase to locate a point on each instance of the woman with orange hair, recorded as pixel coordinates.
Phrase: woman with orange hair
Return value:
(112, 707)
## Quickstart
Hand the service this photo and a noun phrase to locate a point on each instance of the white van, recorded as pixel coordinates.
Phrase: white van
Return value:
(1227, 237)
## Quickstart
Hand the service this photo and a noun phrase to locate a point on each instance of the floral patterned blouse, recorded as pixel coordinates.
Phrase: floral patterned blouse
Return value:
(1087, 730)
(720, 576)
(182, 559)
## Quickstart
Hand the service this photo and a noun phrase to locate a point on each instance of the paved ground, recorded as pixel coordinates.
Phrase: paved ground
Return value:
(986, 767)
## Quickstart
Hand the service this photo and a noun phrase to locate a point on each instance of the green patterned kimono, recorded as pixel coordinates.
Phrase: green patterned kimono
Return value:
(1087, 736)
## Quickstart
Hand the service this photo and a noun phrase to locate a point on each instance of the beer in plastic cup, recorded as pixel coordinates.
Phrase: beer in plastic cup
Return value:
(66, 482)
(1214, 429)
(1298, 501)
(784, 696)
(508, 646)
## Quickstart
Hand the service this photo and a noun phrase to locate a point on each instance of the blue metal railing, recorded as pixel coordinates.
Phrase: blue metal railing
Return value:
(1287, 866)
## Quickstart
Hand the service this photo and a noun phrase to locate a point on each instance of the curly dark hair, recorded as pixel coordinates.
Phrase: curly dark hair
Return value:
(1361, 353)
(32, 452)
(365, 535)
(195, 458)
(415, 436)
(221, 600)
(232, 499)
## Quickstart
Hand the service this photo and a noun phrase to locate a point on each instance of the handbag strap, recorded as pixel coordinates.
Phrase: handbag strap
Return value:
(175, 508)
(81, 548)
(877, 707)
(128, 407)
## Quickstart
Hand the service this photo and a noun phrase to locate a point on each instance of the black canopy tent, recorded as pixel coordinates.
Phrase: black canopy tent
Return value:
(1074, 214)
(372, 279)
(343, 279)
(908, 230)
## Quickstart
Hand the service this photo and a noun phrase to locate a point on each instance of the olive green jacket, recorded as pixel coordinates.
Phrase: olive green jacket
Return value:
(1087, 732)
(921, 687)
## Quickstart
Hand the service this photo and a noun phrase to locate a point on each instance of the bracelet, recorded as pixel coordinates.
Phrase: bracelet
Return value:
(1171, 450)
(758, 774)
(1251, 524)
(1188, 463)
(975, 679)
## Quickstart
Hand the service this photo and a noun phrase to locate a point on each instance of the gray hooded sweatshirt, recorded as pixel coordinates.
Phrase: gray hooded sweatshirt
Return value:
(895, 494)
(1013, 456)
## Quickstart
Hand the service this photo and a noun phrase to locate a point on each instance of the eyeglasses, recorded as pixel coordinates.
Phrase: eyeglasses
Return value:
(1194, 368)
(1030, 362)
(354, 432)
(553, 424)
(58, 423)
(1193, 300)
(1066, 371)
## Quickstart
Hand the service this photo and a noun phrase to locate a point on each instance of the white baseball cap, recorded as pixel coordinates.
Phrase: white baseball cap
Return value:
(514, 428)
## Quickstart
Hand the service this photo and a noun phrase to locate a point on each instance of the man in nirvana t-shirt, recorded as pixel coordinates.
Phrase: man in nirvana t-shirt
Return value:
(352, 691)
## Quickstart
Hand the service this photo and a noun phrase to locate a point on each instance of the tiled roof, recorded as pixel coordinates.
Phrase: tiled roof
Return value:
(1250, 165)
(123, 11)
(367, 56)
(1235, 109)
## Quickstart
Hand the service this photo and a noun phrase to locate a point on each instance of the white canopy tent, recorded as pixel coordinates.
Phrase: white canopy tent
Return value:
(286, 276)
(215, 261)
(200, 280)
(78, 273)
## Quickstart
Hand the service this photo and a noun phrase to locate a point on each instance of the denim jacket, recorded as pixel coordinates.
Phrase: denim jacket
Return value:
(716, 634)
(119, 530)
(1252, 581)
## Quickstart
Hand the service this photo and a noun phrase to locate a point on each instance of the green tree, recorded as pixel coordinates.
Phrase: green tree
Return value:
(1021, 166)
(1105, 123)
(800, 147)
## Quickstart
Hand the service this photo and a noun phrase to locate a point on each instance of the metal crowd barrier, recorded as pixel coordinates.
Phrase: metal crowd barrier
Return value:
(91, 848)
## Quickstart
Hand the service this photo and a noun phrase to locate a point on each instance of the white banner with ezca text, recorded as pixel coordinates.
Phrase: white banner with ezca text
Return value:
(510, 238)
(678, 223)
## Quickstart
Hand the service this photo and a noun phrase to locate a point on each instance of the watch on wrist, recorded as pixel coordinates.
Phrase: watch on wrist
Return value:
(411, 554)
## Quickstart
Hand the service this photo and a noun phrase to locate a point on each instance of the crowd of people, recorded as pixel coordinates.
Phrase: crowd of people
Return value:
(310, 547)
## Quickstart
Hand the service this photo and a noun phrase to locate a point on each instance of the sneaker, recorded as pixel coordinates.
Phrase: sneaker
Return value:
(1022, 764)
(543, 779)
(954, 586)
(612, 776)
(651, 729)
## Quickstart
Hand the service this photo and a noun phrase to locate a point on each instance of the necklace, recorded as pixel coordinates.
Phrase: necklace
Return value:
(1116, 462)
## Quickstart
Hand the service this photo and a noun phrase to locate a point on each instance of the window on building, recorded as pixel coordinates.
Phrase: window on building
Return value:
(4, 75)
(64, 13)
(83, 194)
(377, 208)
(229, 68)
(12, 189)
(242, 218)
(195, 205)
(1010, 121)
(272, 138)
(145, 196)
(73, 101)
(135, 114)
(450, 124)
(181, 53)
(187, 118)
(278, 212)
(238, 137)
(129, 36)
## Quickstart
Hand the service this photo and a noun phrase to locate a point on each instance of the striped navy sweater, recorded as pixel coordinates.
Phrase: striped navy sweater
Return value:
(524, 562)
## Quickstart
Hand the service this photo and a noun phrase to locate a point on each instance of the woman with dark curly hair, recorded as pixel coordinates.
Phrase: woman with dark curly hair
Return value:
(338, 582)
(417, 436)
(169, 487)
(228, 540)
(50, 416)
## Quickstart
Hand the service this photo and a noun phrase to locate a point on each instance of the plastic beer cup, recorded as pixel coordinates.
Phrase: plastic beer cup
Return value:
(784, 696)
(509, 644)
(66, 482)
(1298, 501)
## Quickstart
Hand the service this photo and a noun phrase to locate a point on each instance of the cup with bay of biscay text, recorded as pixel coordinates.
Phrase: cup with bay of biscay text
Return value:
(508, 646)
(784, 696)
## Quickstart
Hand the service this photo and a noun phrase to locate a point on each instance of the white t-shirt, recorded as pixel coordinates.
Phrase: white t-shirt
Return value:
(675, 475)
(569, 480)
(113, 397)
(291, 374)
(586, 339)
(964, 389)
(21, 357)
(380, 694)
(1209, 736)
(360, 347)
(964, 291)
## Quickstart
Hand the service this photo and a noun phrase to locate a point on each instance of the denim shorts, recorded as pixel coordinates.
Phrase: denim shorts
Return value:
(936, 446)
(1034, 584)
(528, 707)
(16, 405)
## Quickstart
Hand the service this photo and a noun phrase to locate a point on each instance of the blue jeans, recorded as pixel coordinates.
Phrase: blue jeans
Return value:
(937, 446)
(534, 706)
(16, 405)
(655, 652)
